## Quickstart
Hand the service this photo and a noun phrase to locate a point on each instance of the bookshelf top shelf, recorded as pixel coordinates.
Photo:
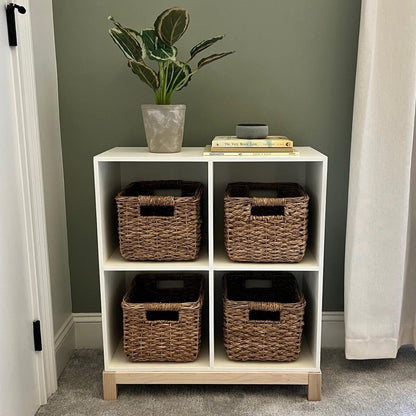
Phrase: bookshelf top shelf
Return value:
(194, 154)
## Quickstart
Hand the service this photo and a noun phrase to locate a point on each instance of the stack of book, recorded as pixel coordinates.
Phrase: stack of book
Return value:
(232, 145)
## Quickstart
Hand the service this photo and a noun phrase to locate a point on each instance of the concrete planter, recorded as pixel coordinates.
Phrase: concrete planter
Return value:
(163, 125)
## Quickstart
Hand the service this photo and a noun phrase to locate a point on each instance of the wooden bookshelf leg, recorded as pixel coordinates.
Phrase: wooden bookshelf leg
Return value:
(314, 386)
(109, 386)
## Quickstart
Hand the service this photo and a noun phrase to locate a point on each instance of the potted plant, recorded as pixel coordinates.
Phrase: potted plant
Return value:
(163, 122)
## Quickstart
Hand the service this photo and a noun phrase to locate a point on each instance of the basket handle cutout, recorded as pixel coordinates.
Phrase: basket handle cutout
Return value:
(157, 210)
(170, 284)
(258, 283)
(256, 315)
(162, 315)
(267, 210)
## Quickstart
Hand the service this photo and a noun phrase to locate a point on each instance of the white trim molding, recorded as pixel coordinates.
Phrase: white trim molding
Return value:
(333, 330)
(64, 344)
(88, 331)
(34, 203)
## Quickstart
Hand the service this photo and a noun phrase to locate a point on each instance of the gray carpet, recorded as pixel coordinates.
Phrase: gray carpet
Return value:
(376, 387)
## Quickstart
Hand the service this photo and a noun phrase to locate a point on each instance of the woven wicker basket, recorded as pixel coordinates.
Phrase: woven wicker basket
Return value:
(266, 229)
(159, 227)
(262, 323)
(162, 323)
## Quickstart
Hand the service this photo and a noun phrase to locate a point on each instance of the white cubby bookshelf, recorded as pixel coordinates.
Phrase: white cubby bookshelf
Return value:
(120, 166)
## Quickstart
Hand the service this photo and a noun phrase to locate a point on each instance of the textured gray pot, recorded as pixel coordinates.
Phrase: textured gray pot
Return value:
(163, 125)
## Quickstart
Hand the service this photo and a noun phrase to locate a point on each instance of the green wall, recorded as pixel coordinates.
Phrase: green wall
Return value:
(294, 69)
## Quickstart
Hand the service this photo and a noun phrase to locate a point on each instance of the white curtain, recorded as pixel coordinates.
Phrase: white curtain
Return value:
(380, 259)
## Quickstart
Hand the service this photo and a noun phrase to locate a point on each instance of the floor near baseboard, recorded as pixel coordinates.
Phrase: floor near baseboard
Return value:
(372, 387)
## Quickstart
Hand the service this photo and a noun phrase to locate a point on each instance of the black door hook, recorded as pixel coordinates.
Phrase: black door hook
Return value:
(11, 22)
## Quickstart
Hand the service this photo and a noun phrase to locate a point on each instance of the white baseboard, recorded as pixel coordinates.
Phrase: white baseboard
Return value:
(88, 332)
(64, 344)
(333, 330)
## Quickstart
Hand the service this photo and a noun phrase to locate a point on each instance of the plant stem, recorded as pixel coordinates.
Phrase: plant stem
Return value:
(165, 81)
(159, 91)
(161, 94)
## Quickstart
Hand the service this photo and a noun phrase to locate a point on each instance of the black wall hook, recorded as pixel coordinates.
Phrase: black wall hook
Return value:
(11, 21)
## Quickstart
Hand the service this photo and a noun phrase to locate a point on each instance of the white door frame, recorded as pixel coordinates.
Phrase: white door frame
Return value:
(34, 203)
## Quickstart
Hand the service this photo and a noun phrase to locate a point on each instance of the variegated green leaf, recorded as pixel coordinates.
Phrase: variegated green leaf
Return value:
(118, 25)
(171, 24)
(128, 44)
(155, 48)
(145, 73)
(204, 44)
(126, 40)
(176, 75)
(188, 71)
(212, 58)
